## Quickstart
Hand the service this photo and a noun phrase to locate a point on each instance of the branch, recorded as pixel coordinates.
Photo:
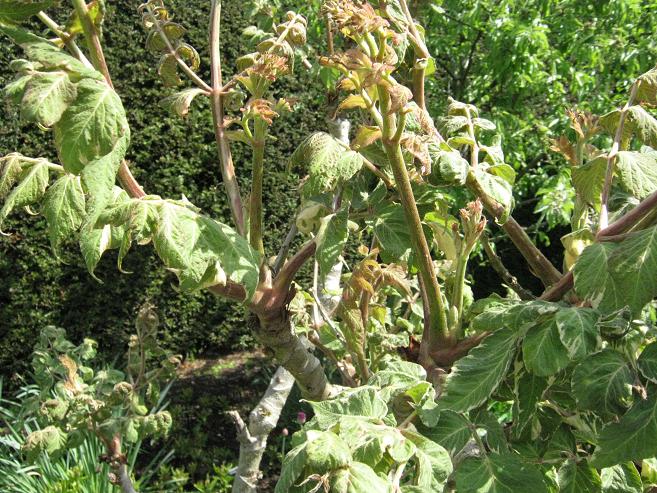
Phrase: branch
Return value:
(625, 223)
(502, 271)
(253, 438)
(540, 266)
(286, 275)
(611, 157)
(422, 56)
(223, 146)
(93, 40)
(65, 37)
(230, 290)
(285, 248)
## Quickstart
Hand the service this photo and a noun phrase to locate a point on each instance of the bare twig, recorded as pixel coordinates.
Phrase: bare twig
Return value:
(502, 271)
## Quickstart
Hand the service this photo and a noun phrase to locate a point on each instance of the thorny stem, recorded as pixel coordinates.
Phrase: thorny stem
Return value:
(439, 327)
(611, 157)
(172, 51)
(255, 200)
(223, 146)
(65, 37)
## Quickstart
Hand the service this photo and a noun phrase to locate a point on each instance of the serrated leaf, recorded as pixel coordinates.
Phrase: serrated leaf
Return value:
(181, 101)
(398, 373)
(647, 362)
(357, 478)
(46, 97)
(448, 167)
(497, 188)
(363, 403)
(637, 172)
(31, 187)
(326, 161)
(452, 431)
(529, 389)
(629, 439)
(647, 90)
(621, 478)
(603, 382)
(291, 469)
(433, 464)
(578, 477)
(637, 122)
(91, 127)
(365, 136)
(588, 180)
(64, 209)
(331, 239)
(498, 473)
(578, 331)
(542, 350)
(47, 54)
(475, 377)
(11, 167)
(325, 451)
(391, 231)
(14, 11)
(593, 281)
(202, 251)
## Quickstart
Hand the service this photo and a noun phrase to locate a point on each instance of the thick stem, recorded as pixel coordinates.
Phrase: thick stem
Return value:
(255, 201)
(611, 157)
(422, 56)
(223, 146)
(419, 243)
(275, 331)
(121, 469)
(540, 266)
(253, 438)
(457, 295)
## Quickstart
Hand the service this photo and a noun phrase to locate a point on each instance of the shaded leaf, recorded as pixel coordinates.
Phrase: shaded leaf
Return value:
(578, 331)
(578, 477)
(498, 473)
(542, 350)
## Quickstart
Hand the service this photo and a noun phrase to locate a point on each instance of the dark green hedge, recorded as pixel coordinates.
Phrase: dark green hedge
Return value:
(170, 157)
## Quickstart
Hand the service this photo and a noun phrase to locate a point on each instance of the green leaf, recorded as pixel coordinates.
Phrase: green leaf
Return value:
(331, 239)
(498, 473)
(630, 438)
(91, 127)
(326, 161)
(497, 188)
(201, 251)
(520, 316)
(357, 478)
(621, 478)
(542, 350)
(529, 389)
(291, 469)
(637, 172)
(51, 440)
(363, 403)
(14, 11)
(64, 209)
(31, 187)
(475, 377)
(433, 464)
(603, 382)
(633, 266)
(647, 90)
(11, 167)
(398, 373)
(47, 54)
(325, 451)
(637, 122)
(452, 431)
(181, 101)
(46, 97)
(578, 331)
(593, 281)
(588, 180)
(448, 167)
(647, 362)
(504, 171)
(578, 477)
(391, 230)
